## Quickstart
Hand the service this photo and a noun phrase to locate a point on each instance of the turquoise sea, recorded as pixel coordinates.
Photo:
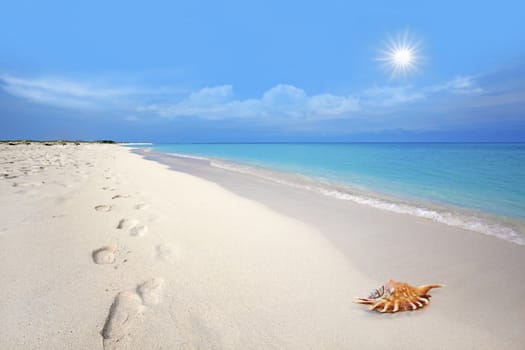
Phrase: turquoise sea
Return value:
(475, 186)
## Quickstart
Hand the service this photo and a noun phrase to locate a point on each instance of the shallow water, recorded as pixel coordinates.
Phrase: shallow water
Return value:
(474, 186)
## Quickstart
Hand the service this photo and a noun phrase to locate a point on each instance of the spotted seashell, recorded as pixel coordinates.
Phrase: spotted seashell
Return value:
(398, 296)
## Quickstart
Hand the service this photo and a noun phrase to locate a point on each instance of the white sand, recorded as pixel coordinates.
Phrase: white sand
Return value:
(187, 264)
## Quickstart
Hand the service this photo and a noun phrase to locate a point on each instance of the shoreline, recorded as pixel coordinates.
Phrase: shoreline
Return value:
(193, 257)
(383, 244)
(503, 227)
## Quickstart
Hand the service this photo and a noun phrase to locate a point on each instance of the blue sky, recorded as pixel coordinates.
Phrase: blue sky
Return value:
(255, 71)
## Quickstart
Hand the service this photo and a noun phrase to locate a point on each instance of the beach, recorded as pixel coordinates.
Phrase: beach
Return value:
(105, 248)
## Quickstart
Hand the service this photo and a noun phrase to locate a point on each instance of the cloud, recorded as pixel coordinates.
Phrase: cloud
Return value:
(391, 96)
(281, 101)
(59, 92)
(290, 101)
(81, 95)
(458, 85)
(210, 96)
(330, 105)
(284, 96)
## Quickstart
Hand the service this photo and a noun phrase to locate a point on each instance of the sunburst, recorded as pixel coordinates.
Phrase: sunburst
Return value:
(401, 55)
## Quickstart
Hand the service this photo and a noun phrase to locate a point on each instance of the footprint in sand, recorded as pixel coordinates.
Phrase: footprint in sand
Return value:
(123, 312)
(164, 252)
(125, 224)
(120, 196)
(104, 255)
(139, 230)
(126, 307)
(151, 291)
(141, 206)
(103, 207)
(134, 227)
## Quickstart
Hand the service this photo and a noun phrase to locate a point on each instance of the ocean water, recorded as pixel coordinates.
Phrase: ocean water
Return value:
(480, 187)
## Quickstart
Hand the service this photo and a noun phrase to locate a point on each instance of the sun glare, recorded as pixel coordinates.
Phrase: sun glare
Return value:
(400, 56)
(403, 57)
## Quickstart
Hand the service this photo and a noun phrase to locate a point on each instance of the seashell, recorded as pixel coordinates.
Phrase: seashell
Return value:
(397, 296)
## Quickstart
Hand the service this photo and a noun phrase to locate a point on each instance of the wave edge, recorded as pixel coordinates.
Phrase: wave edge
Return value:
(469, 222)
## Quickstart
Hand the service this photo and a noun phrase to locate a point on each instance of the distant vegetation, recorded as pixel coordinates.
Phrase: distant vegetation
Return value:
(105, 141)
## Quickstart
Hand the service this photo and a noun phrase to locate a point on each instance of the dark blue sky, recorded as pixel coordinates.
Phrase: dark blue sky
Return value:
(238, 71)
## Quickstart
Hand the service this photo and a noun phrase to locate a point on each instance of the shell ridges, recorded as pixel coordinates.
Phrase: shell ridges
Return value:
(397, 296)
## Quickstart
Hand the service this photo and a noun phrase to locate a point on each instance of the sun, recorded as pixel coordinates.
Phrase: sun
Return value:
(401, 55)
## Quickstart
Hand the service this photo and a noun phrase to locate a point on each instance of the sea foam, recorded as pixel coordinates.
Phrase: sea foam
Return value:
(449, 215)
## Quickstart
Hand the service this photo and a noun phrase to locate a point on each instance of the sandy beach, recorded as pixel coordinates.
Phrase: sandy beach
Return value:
(103, 248)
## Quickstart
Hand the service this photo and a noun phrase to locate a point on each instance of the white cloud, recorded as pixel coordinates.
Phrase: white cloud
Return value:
(284, 96)
(281, 101)
(57, 86)
(210, 96)
(82, 95)
(330, 105)
(61, 93)
(390, 96)
(458, 85)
